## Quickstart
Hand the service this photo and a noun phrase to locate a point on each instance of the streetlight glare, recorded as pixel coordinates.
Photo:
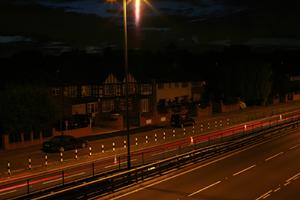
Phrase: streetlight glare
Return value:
(137, 11)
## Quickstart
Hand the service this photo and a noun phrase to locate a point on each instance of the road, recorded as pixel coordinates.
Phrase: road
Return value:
(267, 171)
(18, 159)
(16, 186)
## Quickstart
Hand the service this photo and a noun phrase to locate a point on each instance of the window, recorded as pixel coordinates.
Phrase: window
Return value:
(118, 90)
(146, 89)
(95, 91)
(185, 84)
(109, 90)
(160, 85)
(70, 91)
(92, 107)
(56, 91)
(145, 105)
(100, 91)
(107, 105)
(131, 88)
(85, 91)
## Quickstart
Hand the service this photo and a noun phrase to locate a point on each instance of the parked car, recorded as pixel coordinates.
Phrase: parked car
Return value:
(63, 143)
(181, 120)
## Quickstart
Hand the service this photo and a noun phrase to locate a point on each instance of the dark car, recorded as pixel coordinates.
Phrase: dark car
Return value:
(63, 143)
(181, 120)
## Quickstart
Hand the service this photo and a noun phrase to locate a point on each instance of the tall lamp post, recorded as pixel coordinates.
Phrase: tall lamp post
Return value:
(126, 81)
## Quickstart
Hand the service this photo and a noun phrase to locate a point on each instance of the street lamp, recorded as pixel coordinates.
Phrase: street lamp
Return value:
(137, 18)
(126, 81)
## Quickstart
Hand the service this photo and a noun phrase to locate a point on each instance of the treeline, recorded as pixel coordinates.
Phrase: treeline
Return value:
(235, 73)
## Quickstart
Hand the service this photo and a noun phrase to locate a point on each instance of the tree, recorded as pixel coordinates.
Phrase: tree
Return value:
(25, 108)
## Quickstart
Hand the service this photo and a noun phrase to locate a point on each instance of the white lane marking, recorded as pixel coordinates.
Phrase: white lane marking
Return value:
(265, 195)
(293, 147)
(246, 169)
(183, 173)
(293, 177)
(271, 157)
(5, 193)
(287, 183)
(205, 188)
(277, 189)
(59, 179)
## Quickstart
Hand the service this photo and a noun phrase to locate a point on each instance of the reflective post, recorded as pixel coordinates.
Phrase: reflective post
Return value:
(8, 168)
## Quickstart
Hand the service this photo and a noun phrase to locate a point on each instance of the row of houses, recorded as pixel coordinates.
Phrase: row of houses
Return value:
(105, 100)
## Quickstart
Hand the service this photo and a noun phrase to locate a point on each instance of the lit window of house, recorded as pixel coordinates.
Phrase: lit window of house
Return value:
(145, 105)
(70, 91)
(85, 91)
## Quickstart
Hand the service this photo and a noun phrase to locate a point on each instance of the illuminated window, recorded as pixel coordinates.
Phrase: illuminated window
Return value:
(85, 91)
(70, 91)
(145, 105)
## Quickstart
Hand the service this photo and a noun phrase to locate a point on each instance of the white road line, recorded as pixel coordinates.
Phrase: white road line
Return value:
(183, 173)
(287, 183)
(293, 147)
(246, 169)
(293, 177)
(59, 179)
(211, 185)
(273, 156)
(277, 189)
(265, 195)
(5, 193)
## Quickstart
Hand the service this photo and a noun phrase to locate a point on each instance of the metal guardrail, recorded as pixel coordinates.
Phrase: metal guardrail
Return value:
(113, 182)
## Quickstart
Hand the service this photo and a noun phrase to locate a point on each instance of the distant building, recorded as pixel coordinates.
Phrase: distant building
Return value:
(294, 94)
(104, 99)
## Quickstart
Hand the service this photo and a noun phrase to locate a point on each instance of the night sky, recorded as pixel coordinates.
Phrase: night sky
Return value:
(55, 27)
(194, 24)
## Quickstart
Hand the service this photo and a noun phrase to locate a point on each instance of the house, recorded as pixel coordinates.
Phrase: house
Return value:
(104, 100)
(294, 93)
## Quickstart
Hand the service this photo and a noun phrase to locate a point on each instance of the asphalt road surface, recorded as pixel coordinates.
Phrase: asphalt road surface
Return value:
(266, 171)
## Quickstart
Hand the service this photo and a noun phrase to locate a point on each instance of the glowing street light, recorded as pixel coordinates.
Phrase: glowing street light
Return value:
(137, 20)
(137, 11)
